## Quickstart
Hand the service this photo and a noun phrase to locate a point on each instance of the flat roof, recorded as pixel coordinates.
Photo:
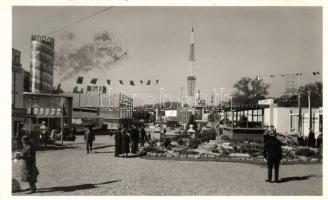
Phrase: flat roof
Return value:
(49, 94)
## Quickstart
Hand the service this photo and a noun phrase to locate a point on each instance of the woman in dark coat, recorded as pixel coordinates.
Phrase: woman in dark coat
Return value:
(29, 170)
(125, 143)
(118, 150)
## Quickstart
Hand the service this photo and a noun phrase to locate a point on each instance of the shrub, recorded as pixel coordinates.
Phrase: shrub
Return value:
(194, 143)
(225, 138)
(305, 152)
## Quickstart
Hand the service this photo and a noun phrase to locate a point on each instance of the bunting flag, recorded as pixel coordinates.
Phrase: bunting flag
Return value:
(75, 90)
(141, 82)
(79, 80)
(131, 83)
(157, 81)
(148, 82)
(93, 81)
(121, 82)
(89, 88)
(108, 81)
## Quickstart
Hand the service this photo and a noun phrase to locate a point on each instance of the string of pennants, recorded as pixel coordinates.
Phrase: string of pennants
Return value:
(314, 73)
(121, 82)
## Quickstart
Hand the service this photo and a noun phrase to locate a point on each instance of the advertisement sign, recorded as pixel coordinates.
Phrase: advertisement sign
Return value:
(170, 113)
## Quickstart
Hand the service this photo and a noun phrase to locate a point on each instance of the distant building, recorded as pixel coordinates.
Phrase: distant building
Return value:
(113, 110)
(42, 64)
(19, 115)
(27, 81)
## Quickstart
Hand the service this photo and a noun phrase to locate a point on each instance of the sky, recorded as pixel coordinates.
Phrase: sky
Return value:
(230, 43)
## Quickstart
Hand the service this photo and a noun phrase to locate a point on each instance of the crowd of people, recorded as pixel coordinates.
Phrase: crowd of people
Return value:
(127, 140)
(310, 140)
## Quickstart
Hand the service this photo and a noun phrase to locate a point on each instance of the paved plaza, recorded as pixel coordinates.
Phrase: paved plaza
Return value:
(68, 170)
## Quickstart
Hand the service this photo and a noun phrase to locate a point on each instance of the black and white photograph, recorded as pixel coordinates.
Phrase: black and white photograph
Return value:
(173, 100)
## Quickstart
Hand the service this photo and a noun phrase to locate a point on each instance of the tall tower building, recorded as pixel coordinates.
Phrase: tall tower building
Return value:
(191, 80)
(42, 64)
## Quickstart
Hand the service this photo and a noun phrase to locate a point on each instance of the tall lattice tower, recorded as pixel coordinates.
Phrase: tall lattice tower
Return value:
(291, 83)
(191, 80)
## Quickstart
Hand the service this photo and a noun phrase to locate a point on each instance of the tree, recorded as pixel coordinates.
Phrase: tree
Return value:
(249, 91)
(292, 101)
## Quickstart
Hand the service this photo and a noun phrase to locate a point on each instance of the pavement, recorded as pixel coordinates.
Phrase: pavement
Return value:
(68, 170)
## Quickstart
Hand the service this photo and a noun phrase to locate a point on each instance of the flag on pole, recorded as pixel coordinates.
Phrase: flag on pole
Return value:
(121, 82)
(148, 82)
(93, 81)
(108, 81)
(132, 83)
(89, 88)
(75, 90)
(79, 80)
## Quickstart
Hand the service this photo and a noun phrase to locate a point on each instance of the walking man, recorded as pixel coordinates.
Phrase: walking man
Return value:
(273, 155)
(135, 139)
(118, 143)
(28, 170)
(89, 138)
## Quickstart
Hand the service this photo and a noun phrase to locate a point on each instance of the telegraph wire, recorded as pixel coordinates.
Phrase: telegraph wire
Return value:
(71, 24)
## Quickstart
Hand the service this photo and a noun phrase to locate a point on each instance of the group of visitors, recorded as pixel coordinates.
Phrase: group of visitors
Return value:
(128, 137)
(310, 140)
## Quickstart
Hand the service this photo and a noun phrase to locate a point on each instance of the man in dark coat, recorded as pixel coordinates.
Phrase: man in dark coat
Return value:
(273, 155)
(89, 138)
(29, 170)
(142, 136)
(311, 139)
(125, 142)
(135, 140)
(118, 150)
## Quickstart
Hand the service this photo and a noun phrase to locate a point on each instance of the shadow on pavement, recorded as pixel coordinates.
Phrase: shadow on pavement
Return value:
(295, 178)
(103, 146)
(73, 188)
(104, 152)
(55, 147)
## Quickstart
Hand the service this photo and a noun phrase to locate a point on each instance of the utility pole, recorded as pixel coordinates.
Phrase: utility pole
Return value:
(310, 110)
(62, 124)
(299, 114)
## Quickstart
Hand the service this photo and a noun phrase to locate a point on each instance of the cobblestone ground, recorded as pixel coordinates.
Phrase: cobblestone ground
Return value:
(70, 171)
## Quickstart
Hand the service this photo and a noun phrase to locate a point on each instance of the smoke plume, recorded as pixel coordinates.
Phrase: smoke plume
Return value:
(101, 53)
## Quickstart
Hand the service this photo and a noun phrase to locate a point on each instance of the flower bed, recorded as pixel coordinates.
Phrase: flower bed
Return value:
(209, 145)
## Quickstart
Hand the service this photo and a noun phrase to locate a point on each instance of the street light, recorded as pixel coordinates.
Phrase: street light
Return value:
(232, 116)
